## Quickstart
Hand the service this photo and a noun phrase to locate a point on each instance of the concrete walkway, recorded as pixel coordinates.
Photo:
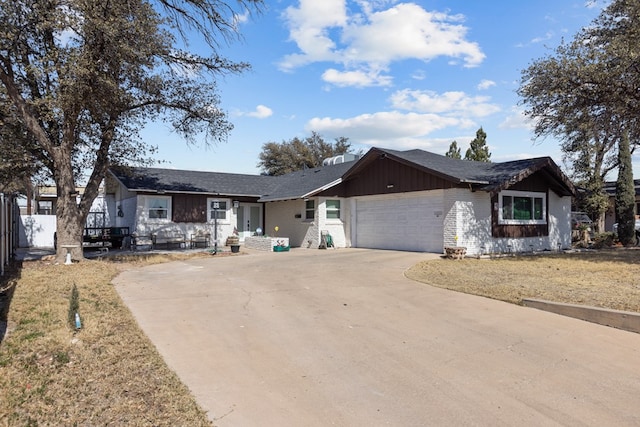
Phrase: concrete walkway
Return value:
(340, 337)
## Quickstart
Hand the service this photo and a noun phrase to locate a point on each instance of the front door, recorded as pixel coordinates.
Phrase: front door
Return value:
(249, 219)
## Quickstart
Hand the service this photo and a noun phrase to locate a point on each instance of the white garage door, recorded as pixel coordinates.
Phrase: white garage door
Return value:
(400, 223)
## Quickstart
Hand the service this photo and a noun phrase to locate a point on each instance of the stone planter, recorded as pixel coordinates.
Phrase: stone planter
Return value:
(265, 243)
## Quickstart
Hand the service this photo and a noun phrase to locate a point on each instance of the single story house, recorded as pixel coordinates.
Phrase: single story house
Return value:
(404, 200)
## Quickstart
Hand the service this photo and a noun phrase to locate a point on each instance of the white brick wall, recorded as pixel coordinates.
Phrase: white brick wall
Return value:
(468, 216)
(335, 227)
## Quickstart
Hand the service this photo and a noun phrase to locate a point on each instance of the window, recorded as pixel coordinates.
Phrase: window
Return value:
(309, 209)
(333, 209)
(217, 209)
(45, 207)
(159, 207)
(522, 208)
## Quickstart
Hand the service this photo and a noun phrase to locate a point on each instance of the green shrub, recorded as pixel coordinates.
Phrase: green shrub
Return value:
(604, 240)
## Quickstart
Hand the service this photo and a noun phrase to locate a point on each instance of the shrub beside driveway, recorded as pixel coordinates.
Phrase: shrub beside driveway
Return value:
(604, 278)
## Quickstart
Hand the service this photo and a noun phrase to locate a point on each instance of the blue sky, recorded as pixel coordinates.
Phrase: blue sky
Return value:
(384, 73)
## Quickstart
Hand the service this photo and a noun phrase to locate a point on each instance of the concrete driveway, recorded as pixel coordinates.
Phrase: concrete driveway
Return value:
(340, 337)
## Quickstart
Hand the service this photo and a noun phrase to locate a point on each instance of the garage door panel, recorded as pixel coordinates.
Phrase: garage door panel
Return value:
(399, 223)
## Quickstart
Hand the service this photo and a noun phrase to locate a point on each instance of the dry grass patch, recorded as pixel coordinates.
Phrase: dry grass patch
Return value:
(108, 373)
(606, 278)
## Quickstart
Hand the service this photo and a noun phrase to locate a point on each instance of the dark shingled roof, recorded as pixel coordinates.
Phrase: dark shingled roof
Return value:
(173, 180)
(291, 186)
(304, 183)
(486, 176)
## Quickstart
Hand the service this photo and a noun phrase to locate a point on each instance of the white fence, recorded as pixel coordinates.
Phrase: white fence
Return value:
(36, 231)
(9, 213)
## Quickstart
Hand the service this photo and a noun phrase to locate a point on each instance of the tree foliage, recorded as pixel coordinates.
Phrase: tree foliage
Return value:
(478, 150)
(625, 195)
(585, 94)
(79, 78)
(296, 154)
(454, 151)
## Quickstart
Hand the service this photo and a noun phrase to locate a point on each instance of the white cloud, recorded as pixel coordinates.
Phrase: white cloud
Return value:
(517, 120)
(548, 36)
(357, 78)
(415, 117)
(240, 18)
(540, 39)
(486, 84)
(419, 75)
(374, 37)
(407, 31)
(309, 26)
(449, 103)
(385, 126)
(261, 112)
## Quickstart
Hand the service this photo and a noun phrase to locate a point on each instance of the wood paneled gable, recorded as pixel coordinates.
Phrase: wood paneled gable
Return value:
(383, 175)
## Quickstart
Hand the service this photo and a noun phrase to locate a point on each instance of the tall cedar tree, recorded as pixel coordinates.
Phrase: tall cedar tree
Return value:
(625, 195)
(80, 78)
(478, 150)
(296, 154)
(454, 151)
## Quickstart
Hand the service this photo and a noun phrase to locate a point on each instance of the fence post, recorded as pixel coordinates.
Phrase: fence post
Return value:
(3, 236)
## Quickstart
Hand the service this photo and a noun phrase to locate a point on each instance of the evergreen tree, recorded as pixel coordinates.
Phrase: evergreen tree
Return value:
(478, 150)
(454, 151)
(625, 194)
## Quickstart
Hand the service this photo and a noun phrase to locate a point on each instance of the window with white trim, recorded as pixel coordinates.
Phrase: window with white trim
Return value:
(522, 208)
(309, 210)
(158, 207)
(333, 209)
(218, 209)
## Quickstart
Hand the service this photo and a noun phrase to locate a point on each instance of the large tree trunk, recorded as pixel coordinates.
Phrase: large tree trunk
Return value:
(70, 218)
(69, 225)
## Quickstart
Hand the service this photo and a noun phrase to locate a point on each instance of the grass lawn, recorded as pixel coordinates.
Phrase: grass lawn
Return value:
(605, 278)
(108, 373)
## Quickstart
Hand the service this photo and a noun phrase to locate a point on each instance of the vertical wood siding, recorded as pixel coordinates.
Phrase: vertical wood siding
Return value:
(386, 176)
(189, 208)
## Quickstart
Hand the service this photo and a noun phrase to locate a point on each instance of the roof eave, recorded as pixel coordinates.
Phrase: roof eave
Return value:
(545, 162)
(321, 189)
(208, 193)
(302, 196)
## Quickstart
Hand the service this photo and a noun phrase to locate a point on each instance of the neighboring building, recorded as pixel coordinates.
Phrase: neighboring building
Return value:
(610, 215)
(404, 200)
(38, 216)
